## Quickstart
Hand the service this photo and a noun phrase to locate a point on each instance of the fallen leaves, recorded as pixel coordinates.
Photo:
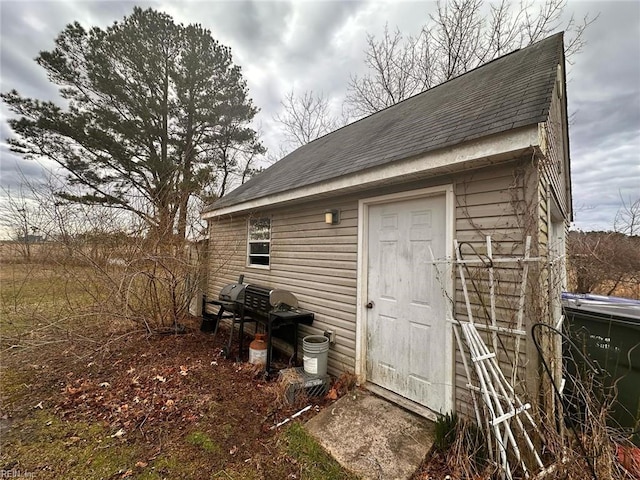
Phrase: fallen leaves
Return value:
(126, 406)
(332, 394)
(168, 393)
(147, 392)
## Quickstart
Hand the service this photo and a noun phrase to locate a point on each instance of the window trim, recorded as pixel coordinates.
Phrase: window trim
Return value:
(250, 242)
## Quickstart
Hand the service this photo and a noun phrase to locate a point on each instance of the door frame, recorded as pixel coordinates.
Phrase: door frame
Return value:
(363, 276)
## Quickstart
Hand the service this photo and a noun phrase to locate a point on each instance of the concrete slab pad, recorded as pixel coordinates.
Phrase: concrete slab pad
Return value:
(373, 437)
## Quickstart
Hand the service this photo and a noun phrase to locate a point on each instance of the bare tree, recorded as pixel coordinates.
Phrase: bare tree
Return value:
(398, 68)
(34, 213)
(22, 217)
(603, 262)
(306, 117)
(462, 35)
(106, 252)
(627, 219)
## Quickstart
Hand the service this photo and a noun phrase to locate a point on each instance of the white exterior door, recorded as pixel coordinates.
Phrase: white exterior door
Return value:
(408, 337)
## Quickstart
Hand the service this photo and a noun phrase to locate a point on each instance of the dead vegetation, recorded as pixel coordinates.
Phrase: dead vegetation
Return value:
(605, 263)
(142, 283)
(89, 394)
(581, 442)
(162, 406)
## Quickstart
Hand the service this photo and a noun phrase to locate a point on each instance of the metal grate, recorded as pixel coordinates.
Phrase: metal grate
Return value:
(256, 299)
(298, 383)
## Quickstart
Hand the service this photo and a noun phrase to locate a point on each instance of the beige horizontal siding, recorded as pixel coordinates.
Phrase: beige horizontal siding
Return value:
(504, 238)
(307, 276)
(492, 201)
(315, 261)
(318, 262)
(333, 273)
(317, 232)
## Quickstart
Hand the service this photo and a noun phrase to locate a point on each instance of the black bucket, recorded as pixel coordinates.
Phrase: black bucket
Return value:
(209, 323)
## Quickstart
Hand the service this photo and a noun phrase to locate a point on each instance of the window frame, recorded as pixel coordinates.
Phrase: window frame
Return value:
(251, 222)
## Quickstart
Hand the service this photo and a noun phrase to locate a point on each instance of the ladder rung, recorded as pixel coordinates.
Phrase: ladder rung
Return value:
(510, 414)
(483, 357)
(495, 396)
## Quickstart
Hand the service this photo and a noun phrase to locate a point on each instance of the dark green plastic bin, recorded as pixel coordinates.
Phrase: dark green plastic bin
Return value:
(608, 331)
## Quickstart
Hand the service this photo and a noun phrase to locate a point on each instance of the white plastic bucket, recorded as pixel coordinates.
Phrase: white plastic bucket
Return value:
(315, 350)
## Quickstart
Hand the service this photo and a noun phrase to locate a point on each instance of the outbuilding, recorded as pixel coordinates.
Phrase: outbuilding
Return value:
(360, 224)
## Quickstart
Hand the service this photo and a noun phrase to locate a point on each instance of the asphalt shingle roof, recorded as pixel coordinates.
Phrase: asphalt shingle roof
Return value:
(510, 92)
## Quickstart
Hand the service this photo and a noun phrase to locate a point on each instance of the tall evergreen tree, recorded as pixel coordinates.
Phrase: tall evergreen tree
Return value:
(154, 112)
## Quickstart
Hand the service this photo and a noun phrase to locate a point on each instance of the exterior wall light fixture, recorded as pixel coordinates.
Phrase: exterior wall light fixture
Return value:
(332, 217)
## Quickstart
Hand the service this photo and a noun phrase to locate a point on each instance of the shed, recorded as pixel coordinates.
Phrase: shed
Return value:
(350, 221)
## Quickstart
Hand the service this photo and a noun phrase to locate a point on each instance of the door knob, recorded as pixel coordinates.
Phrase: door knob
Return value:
(369, 305)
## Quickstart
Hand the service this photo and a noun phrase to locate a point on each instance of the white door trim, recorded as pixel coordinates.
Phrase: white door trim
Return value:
(363, 255)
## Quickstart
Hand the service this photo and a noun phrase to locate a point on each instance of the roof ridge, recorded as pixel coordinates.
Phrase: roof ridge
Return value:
(430, 89)
(495, 97)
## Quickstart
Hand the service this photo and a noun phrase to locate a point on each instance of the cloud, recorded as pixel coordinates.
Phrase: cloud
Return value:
(604, 98)
(17, 172)
(608, 115)
(319, 45)
(254, 27)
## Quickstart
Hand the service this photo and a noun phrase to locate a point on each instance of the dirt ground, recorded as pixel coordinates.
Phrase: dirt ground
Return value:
(162, 406)
(152, 407)
(87, 394)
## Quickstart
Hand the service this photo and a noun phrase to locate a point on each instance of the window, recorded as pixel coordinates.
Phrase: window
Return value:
(259, 241)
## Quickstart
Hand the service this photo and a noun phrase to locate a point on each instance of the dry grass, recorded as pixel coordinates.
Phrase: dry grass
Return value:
(86, 395)
(132, 281)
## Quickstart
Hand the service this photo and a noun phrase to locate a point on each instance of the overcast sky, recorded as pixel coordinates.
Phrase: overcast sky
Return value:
(318, 45)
